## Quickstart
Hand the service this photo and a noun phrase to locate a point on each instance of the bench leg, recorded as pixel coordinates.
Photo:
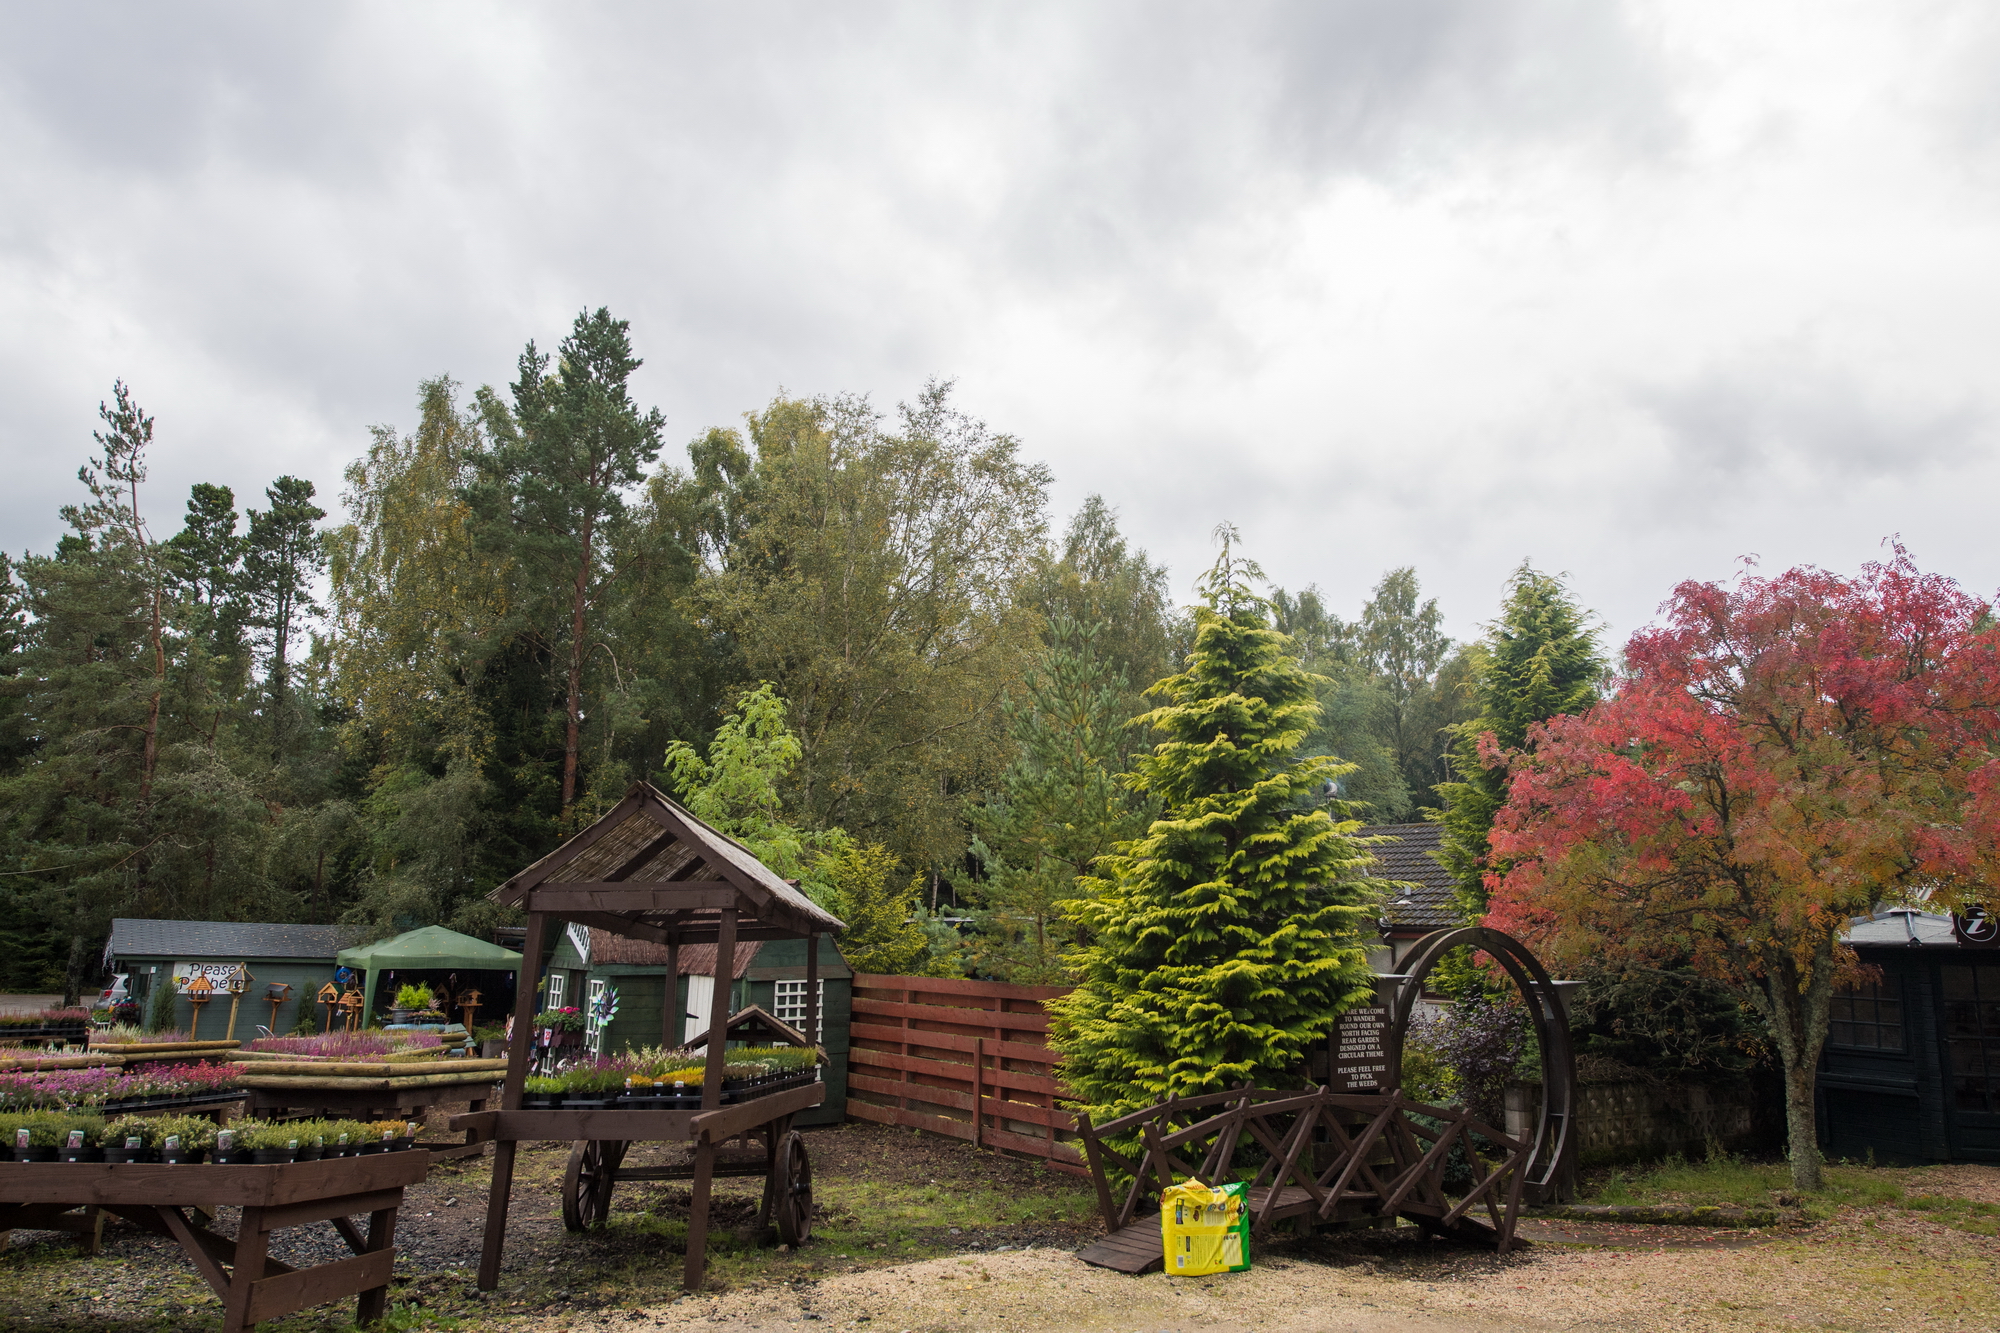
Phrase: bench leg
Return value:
(496, 1214)
(251, 1243)
(374, 1303)
(697, 1244)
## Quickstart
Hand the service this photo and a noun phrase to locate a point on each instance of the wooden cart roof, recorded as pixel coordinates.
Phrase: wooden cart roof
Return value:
(652, 871)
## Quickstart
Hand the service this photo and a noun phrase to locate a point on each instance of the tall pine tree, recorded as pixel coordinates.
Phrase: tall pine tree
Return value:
(1227, 939)
(1539, 659)
(1059, 806)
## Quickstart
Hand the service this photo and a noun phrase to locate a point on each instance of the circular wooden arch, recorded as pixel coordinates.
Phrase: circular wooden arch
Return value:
(1555, 1137)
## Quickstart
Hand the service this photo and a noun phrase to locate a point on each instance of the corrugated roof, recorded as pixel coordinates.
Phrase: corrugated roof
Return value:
(138, 937)
(1903, 927)
(1431, 903)
(697, 960)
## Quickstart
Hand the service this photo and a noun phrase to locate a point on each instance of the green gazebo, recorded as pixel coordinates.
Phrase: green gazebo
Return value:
(431, 949)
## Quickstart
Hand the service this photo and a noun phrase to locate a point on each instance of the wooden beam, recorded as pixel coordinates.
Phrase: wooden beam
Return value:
(719, 1005)
(697, 837)
(617, 925)
(638, 896)
(512, 891)
(645, 854)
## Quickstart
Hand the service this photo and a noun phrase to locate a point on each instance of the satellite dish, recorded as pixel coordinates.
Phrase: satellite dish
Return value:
(1976, 926)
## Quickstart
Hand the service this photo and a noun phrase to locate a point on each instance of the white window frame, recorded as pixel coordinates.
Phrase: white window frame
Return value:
(558, 983)
(593, 1028)
(788, 1002)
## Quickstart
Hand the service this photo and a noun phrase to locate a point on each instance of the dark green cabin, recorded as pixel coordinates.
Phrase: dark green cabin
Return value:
(1911, 1069)
(768, 973)
(302, 956)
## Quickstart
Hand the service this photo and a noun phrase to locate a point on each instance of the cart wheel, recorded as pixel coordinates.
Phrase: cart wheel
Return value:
(586, 1194)
(792, 1184)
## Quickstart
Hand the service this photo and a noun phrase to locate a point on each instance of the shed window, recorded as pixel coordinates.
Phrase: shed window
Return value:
(789, 1002)
(1869, 1017)
(1972, 1031)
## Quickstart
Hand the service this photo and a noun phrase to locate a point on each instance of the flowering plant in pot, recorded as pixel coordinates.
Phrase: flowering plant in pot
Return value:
(592, 1085)
(131, 1138)
(182, 1139)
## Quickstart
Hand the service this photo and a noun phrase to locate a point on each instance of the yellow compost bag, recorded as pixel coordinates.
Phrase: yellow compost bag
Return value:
(1206, 1229)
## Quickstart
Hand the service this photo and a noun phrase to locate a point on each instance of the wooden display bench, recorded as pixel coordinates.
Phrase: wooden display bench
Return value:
(375, 1104)
(251, 1285)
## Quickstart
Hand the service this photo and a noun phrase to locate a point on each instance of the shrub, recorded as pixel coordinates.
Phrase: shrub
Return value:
(160, 1006)
(1477, 1046)
(194, 1131)
(414, 996)
(128, 1126)
(561, 1020)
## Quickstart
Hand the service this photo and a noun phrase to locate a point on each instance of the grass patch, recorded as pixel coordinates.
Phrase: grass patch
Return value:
(1733, 1181)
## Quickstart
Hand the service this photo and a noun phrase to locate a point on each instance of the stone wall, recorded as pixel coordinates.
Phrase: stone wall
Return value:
(1634, 1120)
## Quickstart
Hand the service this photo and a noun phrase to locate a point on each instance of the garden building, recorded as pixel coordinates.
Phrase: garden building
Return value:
(1911, 1070)
(301, 959)
(454, 966)
(1428, 900)
(770, 974)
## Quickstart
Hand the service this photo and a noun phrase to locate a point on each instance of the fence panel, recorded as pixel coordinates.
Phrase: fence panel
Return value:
(967, 1059)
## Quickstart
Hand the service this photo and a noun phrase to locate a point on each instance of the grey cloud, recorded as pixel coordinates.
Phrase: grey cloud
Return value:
(1786, 413)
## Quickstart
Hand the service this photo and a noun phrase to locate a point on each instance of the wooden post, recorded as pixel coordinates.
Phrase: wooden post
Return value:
(235, 998)
(812, 989)
(510, 1099)
(704, 1170)
(252, 1241)
(718, 1032)
(673, 1018)
(978, 1058)
(374, 1303)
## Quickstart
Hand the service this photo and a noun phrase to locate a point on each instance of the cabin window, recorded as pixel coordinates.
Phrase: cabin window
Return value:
(1972, 1031)
(1867, 1017)
(593, 1026)
(789, 1002)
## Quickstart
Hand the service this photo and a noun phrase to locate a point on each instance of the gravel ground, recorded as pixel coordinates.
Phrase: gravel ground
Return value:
(1882, 1269)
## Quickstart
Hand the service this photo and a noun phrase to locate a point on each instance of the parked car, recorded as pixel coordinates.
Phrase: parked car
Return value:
(117, 993)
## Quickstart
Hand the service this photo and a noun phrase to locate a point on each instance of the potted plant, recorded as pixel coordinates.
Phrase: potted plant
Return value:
(183, 1139)
(231, 1148)
(345, 1137)
(540, 1093)
(591, 1088)
(33, 1136)
(80, 1140)
(269, 1144)
(130, 1139)
(409, 999)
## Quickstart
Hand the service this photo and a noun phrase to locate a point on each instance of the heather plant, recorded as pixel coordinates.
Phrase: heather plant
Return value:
(370, 1043)
(59, 1087)
(50, 1128)
(123, 1034)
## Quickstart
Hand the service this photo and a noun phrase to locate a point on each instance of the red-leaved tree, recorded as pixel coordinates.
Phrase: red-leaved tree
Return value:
(1779, 757)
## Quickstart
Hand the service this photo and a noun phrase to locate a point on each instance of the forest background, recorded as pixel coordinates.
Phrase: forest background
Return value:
(853, 638)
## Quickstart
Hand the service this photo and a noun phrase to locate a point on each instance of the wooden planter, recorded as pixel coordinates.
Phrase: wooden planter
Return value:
(252, 1286)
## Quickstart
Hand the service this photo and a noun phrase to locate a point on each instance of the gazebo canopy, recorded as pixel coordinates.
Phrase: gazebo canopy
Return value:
(430, 949)
(651, 870)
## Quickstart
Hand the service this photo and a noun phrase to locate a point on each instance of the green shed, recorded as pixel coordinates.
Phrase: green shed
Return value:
(156, 953)
(770, 974)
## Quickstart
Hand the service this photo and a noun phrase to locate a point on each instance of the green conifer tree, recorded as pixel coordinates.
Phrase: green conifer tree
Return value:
(1540, 659)
(1228, 939)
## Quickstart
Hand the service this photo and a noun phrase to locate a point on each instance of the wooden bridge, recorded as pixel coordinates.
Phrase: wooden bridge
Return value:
(1321, 1156)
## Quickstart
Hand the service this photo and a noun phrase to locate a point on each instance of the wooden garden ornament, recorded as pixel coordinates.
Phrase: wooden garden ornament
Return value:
(351, 1002)
(329, 996)
(239, 981)
(199, 991)
(275, 992)
(468, 1005)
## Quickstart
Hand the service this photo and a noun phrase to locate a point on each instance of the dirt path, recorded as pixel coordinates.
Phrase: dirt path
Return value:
(1857, 1277)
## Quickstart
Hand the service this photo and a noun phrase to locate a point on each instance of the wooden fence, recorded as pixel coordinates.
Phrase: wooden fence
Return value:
(968, 1059)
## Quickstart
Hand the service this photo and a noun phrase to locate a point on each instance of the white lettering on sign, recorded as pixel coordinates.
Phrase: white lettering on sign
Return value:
(1359, 1058)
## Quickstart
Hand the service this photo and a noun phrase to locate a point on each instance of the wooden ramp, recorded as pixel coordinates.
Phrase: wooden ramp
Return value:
(1135, 1249)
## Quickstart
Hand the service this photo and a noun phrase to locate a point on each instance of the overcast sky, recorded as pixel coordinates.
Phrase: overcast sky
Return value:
(1630, 290)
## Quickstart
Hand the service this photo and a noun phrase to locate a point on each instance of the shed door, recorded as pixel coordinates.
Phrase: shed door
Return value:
(1972, 1050)
(701, 997)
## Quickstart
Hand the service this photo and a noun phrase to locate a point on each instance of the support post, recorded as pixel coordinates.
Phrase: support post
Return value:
(718, 1030)
(812, 988)
(510, 1099)
(978, 1076)
(704, 1175)
(252, 1242)
(374, 1302)
(673, 1015)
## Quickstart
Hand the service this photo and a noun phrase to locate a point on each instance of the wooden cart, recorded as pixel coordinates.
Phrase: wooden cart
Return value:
(252, 1285)
(650, 870)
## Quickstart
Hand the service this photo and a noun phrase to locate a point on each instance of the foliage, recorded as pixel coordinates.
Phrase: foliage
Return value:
(1774, 760)
(414, 995)
(1539, 660)
(880, 936)
(567, 1019)
(1474, 1049)
(736, 790)
(1056, 809)
(1227, 939)
(1669, 1021)
(160, 1007)
(867, 573)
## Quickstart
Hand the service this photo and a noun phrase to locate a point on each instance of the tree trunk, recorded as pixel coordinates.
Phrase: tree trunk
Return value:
(1796, 1017)
(73, 971)
(574, 704)
(1802, 1126)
